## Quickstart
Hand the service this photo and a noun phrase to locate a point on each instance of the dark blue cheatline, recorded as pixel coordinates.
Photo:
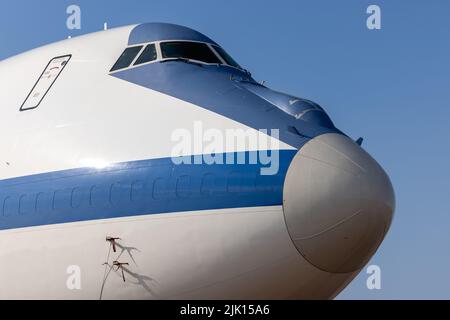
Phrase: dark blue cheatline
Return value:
(225, 91)
(137, 188)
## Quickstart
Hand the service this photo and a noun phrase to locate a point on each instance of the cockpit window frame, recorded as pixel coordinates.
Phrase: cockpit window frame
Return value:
(212, 52)
(236, 66)
(160, 58)
(136, 56)
(137, 62)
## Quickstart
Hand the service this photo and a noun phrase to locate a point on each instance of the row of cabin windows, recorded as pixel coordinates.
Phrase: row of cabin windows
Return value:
(174, 50)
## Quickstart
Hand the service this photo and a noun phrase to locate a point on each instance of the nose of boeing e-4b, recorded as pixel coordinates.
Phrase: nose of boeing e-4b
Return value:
(338, 204)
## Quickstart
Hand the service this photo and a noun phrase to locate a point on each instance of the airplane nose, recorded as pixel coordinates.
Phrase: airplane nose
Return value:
(338, 204)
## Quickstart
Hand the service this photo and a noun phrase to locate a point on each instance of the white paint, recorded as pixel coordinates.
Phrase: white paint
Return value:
(177, 256)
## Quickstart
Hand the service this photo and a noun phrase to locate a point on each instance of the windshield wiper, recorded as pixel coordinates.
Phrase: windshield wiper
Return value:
(185, 60)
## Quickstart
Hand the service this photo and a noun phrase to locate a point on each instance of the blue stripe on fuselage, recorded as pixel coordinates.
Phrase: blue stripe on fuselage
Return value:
(137, 188)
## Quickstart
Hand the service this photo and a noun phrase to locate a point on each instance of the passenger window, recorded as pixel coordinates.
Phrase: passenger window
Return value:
(45, 82)
(188, 50)
(126, 58)
(149, 54)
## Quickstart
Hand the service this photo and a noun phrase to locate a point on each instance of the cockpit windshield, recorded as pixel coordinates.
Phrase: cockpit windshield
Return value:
(126, 58)
(226, 57)
(188, 50)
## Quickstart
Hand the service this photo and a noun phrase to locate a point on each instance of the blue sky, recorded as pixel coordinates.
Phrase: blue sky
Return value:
(390, 86)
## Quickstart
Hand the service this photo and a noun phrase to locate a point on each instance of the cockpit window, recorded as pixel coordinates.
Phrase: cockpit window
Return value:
(226, 57)
(188, 50)
(126, 58)
(149, 54)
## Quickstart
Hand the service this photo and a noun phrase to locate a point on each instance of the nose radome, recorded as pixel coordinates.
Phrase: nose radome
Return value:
(338, 203)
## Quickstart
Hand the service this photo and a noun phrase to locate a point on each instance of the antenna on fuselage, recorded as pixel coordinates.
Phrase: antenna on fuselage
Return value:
(105, 26)
(360, 141)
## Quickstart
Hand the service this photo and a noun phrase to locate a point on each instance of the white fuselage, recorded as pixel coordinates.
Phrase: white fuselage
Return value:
(91, 119)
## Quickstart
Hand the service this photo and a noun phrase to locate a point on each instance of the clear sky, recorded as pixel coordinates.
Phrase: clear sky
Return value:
(390, 86)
